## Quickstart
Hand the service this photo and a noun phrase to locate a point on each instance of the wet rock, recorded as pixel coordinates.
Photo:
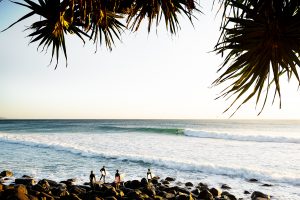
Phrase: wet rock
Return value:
(215, 192)
(182, 190)
(205, 195)
(158, 198)
(150, 190)
(182, 196)
(144, 182)
(135, 184)
(196, 192)
(202, 186)
(225, 187)
(169, 195)
(189, 184)
(111, 191)
(154, 181)
(170, 179)
(165, 182)
(6, 173)
(253, 180)
(266, 185)
(76, 190)
(256, 195)
(228, 195)
(25, 181)
(246, 192)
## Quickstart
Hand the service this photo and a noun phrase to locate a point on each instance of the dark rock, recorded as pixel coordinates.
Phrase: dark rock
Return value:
(45, 185)
(52, 183)
(135, 184)
(170, 179)
(183, 196)
(189, 184)
(252, 180)
(154, 181)
(165, 182)
(158, 198)
(135, 194)
(205, 195)
(256, 195)
(111, 191)
(144, 182)
(169, 195)
(127, 184)
(25, 181)
(60, 191)
(228, 195)
(6, 173)
(225, 187)
(202, 186)
(195, 191)
(266, 185)
(26, 176)
(246, 192)
(111, 198)
(215, 192)
(150, 190)
(76, 190)
(182, 190)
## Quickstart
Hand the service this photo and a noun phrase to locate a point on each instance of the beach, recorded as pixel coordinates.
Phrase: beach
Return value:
(211, 152)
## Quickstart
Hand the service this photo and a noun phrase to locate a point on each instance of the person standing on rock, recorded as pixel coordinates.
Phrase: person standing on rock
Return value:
(149, 175)
(103, 173)
(92, 179)
(117, 179)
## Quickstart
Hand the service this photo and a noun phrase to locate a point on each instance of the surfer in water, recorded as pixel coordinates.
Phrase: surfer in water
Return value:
(103, 173)
(92, 179)
(149, 175)
(117, 179)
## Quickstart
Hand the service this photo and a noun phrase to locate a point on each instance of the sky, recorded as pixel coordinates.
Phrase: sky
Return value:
(146, 76)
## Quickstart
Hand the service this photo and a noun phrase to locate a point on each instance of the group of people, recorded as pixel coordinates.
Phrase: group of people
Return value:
(117, 177)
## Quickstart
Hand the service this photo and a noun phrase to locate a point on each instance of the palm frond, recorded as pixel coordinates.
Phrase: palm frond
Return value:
(261, 39)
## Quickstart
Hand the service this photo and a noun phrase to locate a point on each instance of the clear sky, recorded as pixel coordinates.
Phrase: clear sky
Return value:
(145, 76)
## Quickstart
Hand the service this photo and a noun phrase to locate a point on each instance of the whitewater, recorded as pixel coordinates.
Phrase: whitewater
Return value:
(215, 152)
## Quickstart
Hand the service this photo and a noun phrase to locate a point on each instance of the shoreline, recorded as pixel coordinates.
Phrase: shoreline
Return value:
(28, 188)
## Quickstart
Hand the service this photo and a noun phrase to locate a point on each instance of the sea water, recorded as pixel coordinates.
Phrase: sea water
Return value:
(214, 152)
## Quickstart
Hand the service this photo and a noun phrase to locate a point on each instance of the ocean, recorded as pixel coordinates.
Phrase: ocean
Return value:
(214, 152)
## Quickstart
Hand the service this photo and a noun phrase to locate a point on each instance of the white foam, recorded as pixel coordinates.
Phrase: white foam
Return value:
(42, 141)
(240, 137)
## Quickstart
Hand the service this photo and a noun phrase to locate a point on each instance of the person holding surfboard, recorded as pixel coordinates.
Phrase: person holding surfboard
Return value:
(103, 173)
(117, 179)
(149, 175)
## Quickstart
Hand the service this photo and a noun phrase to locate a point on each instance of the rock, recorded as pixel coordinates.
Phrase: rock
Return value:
(52, 183)
(225, 187)
(150, 190)
(228, 195)
(165, 182)
(205, 195)
(144, 182)
(1, 187)
(154, 181)
(111, 198)
(215, 192)
(252, 180)
(6, 173)
(182, 190)
(76, 190)
(170, 179)
(189, 184)
(111, 191)
(196, 191)
(169, 196)
(25, 181)
(256, 195)
(48, 196)
(21, 192)
(183, 196)
(158, 198)
(127, 184)
(135, 194)
(202, 186)
(178, 183)
(135, 184)
(266, 185)
(246, 192)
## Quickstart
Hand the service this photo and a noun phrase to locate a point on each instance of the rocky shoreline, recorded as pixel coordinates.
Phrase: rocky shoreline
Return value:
(27, 188)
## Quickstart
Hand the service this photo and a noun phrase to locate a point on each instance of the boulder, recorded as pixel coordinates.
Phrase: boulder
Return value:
(246, 192)
(25, 181)
(225, 187)
(6, 173)
(21, 192)
(196, 191)
(111, 191)
(170, 179)
(165, 182)
(169, 196)
(127, 184)
(253, 180)
(205, 195)
(76, 190)
(144, 182)
(266, 185)
(228, 195)
(189, 184)
(150, 190)
(135, 184)
(182, 190)
(215, 192)
(182, 196)
(256, 195)
(202, 186)
(156, 197)
(154, 181)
